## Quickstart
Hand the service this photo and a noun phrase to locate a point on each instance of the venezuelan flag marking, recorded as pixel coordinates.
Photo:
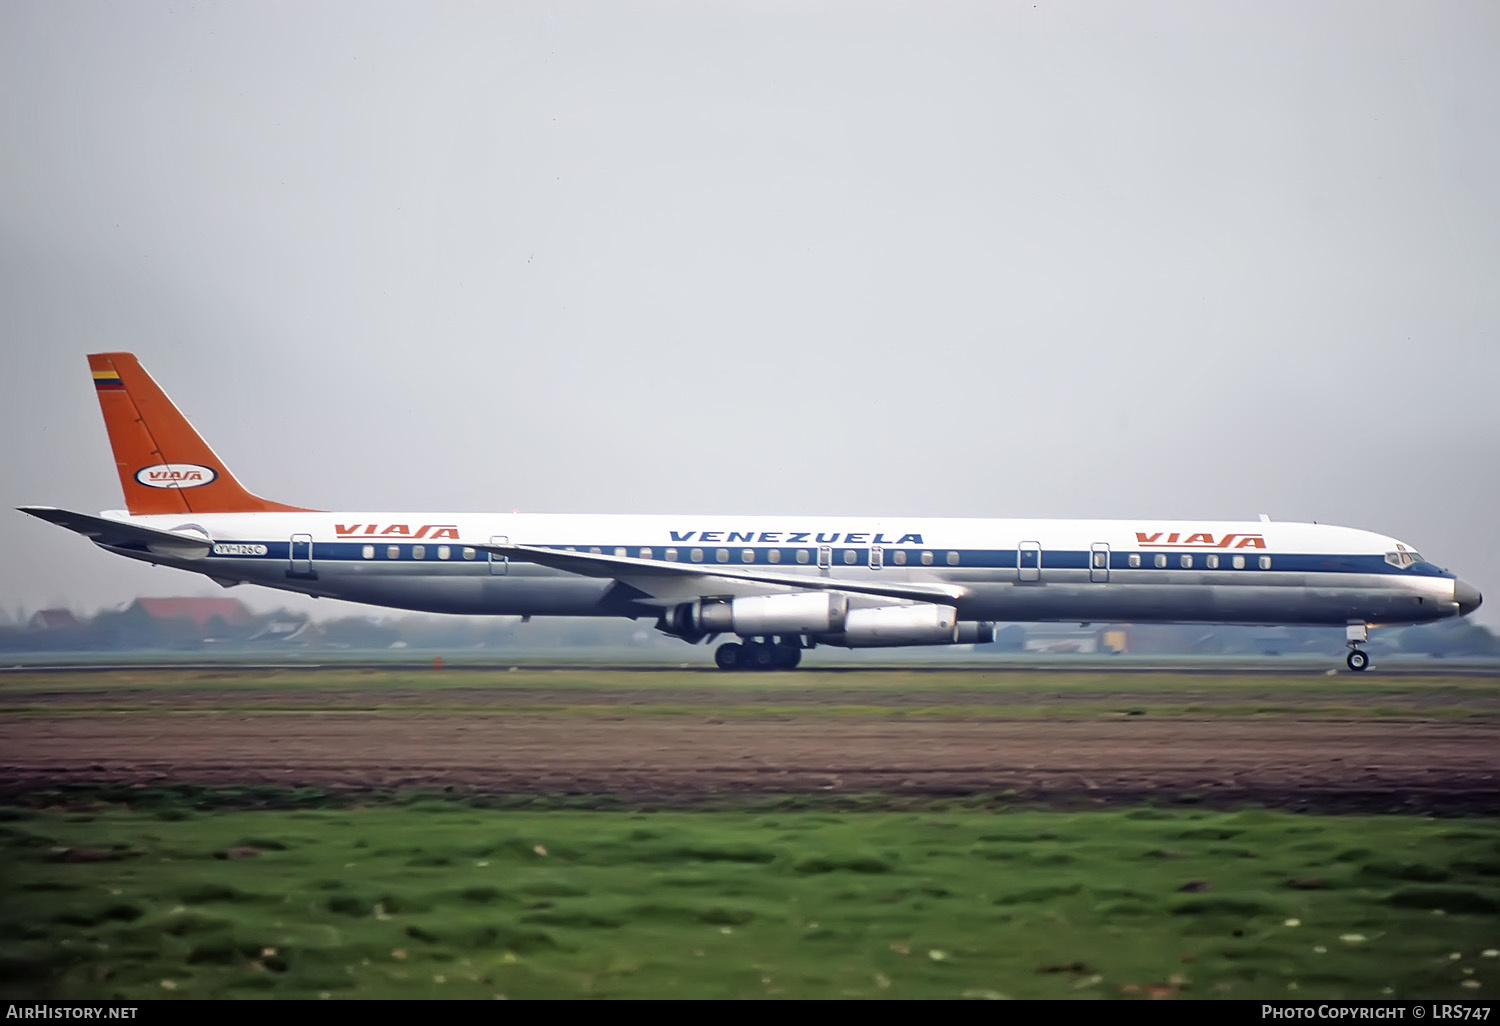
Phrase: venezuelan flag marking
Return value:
(107, 380)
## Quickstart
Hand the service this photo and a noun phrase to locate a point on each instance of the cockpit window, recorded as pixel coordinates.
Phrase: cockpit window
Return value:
(1403, 557)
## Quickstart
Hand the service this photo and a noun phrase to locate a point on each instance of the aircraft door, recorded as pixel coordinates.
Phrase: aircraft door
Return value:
(300, 554)
(499, 565)
(1029, 561)
(1099, 563)
(877, 557)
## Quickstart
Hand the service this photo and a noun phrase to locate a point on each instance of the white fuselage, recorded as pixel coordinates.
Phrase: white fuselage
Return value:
(1255, 572)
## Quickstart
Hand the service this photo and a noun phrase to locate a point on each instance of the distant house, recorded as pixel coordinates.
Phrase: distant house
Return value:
(201, 611)
(53, 620)
(281, 628)
(1048, 638)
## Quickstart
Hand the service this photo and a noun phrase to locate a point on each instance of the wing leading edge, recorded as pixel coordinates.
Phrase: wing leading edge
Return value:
(671, 582)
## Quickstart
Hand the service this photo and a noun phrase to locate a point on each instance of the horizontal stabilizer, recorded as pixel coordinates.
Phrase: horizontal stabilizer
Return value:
(640, 572)
(121, 535)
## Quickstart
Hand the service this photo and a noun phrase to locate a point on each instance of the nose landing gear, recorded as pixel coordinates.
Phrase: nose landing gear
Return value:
(1357, 634)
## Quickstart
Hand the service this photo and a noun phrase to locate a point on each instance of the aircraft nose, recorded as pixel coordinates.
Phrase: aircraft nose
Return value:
(1467, 596)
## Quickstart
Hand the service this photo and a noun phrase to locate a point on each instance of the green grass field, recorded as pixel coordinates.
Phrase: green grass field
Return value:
(966, 695)
(180, 896)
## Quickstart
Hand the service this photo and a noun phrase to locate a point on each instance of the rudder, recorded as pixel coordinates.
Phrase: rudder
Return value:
(165, 466)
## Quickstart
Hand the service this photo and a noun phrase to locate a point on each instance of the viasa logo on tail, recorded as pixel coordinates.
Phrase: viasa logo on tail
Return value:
(1199, 540)
(175, 475)
(396, 531)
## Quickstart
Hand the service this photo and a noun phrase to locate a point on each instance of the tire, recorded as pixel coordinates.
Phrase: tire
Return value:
(727, 656)
(1357, 660)
(759, 656)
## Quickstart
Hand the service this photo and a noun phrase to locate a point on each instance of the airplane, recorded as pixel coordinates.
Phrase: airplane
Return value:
(779, 585)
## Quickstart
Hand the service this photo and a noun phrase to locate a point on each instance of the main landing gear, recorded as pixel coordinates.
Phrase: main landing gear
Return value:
(759, 654)
(1355, 635)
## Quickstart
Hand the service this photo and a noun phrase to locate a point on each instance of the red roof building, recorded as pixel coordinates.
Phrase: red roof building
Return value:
(53, 620)
(199, 610)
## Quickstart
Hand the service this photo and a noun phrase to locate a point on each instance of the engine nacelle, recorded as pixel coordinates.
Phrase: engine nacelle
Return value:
(890, 626)
(797, 613)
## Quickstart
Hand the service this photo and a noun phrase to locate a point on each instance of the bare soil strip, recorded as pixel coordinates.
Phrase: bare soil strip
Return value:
(1353, 765)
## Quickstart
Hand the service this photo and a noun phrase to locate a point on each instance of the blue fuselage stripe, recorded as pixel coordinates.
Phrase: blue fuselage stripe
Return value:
(997, 559)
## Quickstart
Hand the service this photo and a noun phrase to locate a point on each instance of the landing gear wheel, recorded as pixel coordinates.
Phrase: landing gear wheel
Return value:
(759, 656)
(1357, 660)
(787, 657)
(727, 657)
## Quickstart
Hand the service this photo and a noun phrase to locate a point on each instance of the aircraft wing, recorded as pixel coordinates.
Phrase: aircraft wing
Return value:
(676, 582)
(121, 535)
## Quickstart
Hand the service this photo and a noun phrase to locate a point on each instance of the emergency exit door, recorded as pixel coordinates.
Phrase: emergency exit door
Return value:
(1029, 561)
(1099, 563)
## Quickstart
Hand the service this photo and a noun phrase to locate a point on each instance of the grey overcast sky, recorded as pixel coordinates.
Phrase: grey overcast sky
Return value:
(1084, 259)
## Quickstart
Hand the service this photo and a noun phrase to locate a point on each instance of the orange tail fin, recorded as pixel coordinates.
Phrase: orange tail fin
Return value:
(165, 466)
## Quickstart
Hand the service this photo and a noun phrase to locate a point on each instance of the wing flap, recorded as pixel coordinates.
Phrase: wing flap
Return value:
(676, 581)
(121, 535)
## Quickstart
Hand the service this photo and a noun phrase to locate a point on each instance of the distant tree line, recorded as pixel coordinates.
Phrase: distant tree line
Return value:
(135, 628)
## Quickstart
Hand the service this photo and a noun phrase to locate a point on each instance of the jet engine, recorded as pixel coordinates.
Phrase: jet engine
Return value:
(882, 626)
(754, 615)
(917, 624)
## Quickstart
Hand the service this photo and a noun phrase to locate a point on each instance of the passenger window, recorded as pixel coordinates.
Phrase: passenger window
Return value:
(697, 555)
(802, 556)
(1099, 560)
(900, 557)
(1186, 561)
(747, 555)
(645, 553)
(1239, 562)
(620, 550)
(1265, 562)
(468, 552)
(849, 556)
(953, 559)
(1212, 561)
(722, 555)
(774, 556)
(671, 555)
(393, 552)
(444, 552)
(596, 550)
(1135, 560)
(419, 552)
(369, 552)
(1161, 559)
(926, 559)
